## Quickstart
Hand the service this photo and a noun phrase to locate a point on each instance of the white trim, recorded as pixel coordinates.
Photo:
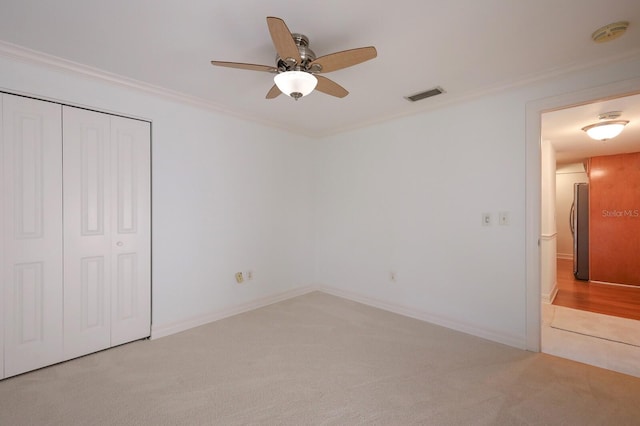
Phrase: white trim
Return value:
(534, 110)
(158, 331)
(450, 99)
(615, 284)
(533, 214)
(549, 237)
(56, 63)
(492, 335)
(549, 298)
(63, 102)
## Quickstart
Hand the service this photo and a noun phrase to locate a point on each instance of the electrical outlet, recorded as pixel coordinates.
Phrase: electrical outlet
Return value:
(249, 275)
(503, 218)
(393, 276)
(239, 277)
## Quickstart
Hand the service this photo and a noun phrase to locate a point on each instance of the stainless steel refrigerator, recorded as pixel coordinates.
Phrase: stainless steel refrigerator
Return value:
(579, 222)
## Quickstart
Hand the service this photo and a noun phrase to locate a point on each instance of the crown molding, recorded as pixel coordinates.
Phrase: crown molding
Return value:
(455, 99)
(56, 63)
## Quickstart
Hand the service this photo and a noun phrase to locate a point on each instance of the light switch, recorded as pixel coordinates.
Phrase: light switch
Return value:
(486, 219)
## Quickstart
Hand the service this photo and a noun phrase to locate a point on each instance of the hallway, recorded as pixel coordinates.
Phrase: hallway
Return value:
(614, 300)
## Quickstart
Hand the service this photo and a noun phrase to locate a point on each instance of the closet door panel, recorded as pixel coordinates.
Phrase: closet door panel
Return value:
(131, 268)
(32, 233)
(87, 231)
(2, 242)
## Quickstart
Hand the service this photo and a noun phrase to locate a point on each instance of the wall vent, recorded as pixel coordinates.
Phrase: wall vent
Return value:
(426, 94)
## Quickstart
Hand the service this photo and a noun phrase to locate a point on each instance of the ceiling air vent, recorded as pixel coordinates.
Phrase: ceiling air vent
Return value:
(426, 94)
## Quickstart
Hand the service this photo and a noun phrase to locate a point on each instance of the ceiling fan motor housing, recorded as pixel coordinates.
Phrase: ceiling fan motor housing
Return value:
(306, 54)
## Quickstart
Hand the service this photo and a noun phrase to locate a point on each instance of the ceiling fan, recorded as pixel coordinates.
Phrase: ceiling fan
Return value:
(297, 66)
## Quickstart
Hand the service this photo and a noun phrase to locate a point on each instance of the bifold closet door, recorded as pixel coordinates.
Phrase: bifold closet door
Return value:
(31, 188)
(107, 284)
(87, 231)
(130, 230)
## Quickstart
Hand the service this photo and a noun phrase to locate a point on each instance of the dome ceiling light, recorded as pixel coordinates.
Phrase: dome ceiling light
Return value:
(607, 128)
(296, 83)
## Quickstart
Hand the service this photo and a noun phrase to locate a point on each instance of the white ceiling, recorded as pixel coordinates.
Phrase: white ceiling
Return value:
(563, 128)
(469, 47)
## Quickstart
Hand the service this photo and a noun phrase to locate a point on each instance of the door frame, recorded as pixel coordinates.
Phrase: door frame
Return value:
(533, 124)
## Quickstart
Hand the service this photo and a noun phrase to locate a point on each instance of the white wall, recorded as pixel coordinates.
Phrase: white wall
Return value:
(407, 195)
(566, 176)
(404, 196)
(227, 196)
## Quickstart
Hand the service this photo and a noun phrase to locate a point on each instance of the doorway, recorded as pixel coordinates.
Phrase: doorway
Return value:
(588, 322)
(572, 149)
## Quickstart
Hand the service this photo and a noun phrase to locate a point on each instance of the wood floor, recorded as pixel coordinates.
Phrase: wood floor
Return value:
(605, 299)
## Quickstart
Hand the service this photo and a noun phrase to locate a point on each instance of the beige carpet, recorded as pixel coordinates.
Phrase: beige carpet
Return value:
(318, 359)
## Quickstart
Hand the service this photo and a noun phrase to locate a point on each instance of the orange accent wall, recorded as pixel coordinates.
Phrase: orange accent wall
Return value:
(614, 219)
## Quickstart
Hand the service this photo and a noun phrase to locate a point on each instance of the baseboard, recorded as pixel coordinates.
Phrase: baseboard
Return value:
(549, 298)
(509, 340)
(162, 330)
(616, 284)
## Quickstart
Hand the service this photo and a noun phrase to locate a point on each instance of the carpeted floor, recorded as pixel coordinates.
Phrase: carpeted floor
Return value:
(319, 359)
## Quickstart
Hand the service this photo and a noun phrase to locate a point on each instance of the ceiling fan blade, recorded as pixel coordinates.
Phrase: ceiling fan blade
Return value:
(330, 87)
(274, 92)
(346, 58)
(251, 67)
(282, 39)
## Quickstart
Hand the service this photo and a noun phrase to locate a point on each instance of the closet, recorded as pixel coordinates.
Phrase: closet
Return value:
(75, 250)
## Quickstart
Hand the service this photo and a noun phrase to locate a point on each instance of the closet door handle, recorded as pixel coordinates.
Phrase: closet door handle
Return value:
(119, 243)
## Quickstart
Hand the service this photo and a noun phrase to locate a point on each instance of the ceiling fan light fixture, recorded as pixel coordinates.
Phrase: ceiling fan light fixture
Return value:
(297, 65)
(296, 84)
(605, 130)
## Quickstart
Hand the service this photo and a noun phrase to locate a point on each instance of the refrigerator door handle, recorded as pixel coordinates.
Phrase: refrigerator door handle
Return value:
(572, 218)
